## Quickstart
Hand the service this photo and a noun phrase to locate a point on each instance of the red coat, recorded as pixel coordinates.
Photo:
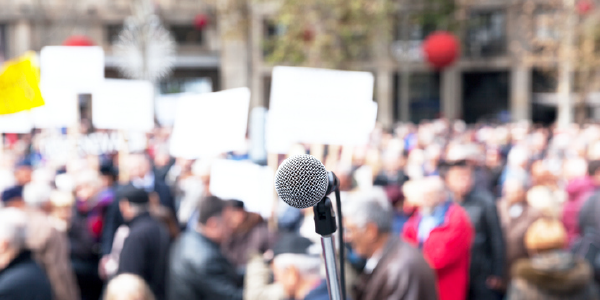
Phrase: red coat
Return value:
(447, 250)
(578, 190)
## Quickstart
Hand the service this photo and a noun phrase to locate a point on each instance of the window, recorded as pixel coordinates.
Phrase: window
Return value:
(424, 96)
(271, 31)
(486, 34)
(186, 35)
(198, 85)
(112, 32)
(409, 34)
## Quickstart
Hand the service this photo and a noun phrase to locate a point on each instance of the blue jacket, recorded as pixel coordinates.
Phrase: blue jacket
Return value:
(319, 293)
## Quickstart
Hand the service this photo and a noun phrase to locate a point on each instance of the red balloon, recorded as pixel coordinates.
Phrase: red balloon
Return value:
(78, 40)
(441, 49)
(584, 7)
(200, 21)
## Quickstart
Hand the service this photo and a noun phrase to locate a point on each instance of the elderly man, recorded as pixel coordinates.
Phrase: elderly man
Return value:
(442, 230)
(146, 249)
(394, 269)
(297, 267)
(487, 251)
(20, 276)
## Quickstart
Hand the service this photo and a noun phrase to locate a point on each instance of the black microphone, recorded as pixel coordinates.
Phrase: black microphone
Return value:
(302, 181)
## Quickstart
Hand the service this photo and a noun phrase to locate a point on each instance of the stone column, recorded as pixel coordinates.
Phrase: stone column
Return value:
(21, 38)
(404, 85)
(520, 93)
(451, 93)
(384, 93)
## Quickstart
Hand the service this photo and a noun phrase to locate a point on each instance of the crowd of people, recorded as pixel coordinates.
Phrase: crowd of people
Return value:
(439, 210)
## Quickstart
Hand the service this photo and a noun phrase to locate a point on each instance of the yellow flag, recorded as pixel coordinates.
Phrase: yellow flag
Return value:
(19, 85)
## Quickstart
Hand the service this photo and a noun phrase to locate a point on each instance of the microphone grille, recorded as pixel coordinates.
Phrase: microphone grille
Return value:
(301, 181)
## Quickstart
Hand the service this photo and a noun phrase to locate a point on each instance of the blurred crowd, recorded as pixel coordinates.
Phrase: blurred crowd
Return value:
(438, 210)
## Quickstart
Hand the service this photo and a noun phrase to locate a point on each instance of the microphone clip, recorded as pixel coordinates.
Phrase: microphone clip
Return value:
(324, 218)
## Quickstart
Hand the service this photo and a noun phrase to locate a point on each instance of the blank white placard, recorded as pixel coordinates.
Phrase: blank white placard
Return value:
(16, 123)
(244, 181)
(211, 123)
(319, 106)
(59, 109)
(76, 68)
(123, 104)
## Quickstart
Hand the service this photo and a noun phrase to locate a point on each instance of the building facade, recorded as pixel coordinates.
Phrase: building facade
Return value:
(490, 81)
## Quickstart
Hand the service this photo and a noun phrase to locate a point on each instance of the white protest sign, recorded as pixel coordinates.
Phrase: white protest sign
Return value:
(59, 109)
(77, 68)
(244, 181)
(123, 104)
(166, 108)
(211, 123)
(16, 123)
(318, 106)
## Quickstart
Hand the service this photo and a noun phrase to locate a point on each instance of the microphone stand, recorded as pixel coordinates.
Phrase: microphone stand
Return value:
(326, 227)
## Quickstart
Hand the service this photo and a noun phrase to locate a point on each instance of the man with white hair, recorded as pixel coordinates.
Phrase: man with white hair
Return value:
(394, 269)
(297, 267)
(20, 276)
(443, 232)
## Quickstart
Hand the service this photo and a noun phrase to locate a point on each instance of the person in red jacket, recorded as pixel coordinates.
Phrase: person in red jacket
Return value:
(442, 231)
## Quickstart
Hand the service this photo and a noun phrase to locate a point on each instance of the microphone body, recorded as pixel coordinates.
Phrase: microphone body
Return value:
(302, 181)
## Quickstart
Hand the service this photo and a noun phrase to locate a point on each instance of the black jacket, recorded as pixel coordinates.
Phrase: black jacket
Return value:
(23, 279)
(487, 252)
(145, 252)
(114, 219)
(198, 271)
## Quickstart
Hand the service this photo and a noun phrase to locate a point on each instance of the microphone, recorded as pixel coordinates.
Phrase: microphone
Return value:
(302, 181)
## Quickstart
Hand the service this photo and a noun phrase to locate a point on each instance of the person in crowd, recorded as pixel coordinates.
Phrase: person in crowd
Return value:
(85, 232)
(49, 243)
(141, 176)
(49, 246)
(297, 267)
(516, 215)
(443, 232)
(249, 234)
(61, 212)
(198, 269)
(145, 250)
(128, 287)
(394, 269)
(579, 189)
(517, 162)
(20, 276)
(494, 165)
(552, 272)
(588, 245)
(487, 251)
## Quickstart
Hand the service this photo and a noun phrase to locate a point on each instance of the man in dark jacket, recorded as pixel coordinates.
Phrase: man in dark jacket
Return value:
(394, 269)
(487, 252)
(142, 177)
(250, 234)
(20, 276)
(198, 269)
(146, 249)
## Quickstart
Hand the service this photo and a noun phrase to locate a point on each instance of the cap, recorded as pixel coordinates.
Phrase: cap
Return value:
(292, 243)
(135, 195)
(12, 193)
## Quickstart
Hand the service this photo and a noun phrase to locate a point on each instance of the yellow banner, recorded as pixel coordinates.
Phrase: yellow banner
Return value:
(19, 85)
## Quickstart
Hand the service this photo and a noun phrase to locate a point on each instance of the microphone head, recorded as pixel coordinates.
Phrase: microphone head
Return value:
(301, 181)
